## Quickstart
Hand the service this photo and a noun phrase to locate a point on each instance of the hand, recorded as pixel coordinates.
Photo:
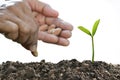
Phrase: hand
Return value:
(18, 23)
(45, 15)
(23, 29)
(64, 31)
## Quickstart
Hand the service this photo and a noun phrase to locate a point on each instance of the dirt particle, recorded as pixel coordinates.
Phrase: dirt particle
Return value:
(63, 70)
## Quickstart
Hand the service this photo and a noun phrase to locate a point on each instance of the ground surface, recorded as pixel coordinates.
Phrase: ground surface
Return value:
(64, 70)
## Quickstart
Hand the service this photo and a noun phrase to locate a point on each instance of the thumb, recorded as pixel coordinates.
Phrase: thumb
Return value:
(33, 49)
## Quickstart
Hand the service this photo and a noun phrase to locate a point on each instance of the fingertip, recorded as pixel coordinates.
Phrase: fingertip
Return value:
(63, 42)
(48, 11)
(35, 53)
(66, 33)
(66, 25)
(33, 50)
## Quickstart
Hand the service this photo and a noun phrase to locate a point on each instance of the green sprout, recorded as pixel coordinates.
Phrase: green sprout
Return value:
(91, 34)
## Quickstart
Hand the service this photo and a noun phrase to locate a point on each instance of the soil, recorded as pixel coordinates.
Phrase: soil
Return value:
(63, 70)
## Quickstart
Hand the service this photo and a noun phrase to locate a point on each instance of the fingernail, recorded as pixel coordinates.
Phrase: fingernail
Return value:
(33, 50)
(35, 53)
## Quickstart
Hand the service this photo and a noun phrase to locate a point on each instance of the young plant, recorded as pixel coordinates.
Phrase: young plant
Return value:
(91, 34)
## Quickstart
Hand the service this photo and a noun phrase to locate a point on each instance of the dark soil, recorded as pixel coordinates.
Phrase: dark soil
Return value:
(63, 70)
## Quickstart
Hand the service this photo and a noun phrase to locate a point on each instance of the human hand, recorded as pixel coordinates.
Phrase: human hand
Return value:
(45, 15)
(16, 16)
(18, 23)
(56, 31)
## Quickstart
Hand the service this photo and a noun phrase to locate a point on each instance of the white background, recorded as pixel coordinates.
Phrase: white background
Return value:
(76, 12)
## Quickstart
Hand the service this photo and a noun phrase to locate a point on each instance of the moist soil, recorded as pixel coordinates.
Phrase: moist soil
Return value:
(63, 70)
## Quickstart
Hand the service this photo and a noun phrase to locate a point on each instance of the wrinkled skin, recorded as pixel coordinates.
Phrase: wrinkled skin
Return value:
(21, 21)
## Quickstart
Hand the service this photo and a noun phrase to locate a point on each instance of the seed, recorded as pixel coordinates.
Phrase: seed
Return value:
(51, 27)
(56, 31)
(43, 27)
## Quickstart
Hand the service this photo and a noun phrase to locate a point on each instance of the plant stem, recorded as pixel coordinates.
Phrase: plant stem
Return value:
(92, 49)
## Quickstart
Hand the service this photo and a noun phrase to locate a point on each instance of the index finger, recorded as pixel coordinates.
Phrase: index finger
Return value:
(41, 7)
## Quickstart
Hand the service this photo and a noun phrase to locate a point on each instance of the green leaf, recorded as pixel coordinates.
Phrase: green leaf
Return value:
(95, 26)
(84, 30)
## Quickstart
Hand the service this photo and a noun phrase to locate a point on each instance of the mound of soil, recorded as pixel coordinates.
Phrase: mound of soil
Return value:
(63, 70)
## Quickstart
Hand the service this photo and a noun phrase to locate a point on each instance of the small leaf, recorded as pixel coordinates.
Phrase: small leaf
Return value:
(95, 26)
(84, 30)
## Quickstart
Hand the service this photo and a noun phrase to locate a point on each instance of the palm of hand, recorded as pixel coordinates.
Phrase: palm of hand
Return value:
(52, 29)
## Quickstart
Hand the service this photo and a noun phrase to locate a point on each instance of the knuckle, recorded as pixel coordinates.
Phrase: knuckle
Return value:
(13, 26)
(12, 36)
(2, 16)
(41, 19)
(14, 30)
(26, 31)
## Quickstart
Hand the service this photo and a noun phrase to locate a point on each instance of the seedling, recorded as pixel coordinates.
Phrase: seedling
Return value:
(95, 26)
